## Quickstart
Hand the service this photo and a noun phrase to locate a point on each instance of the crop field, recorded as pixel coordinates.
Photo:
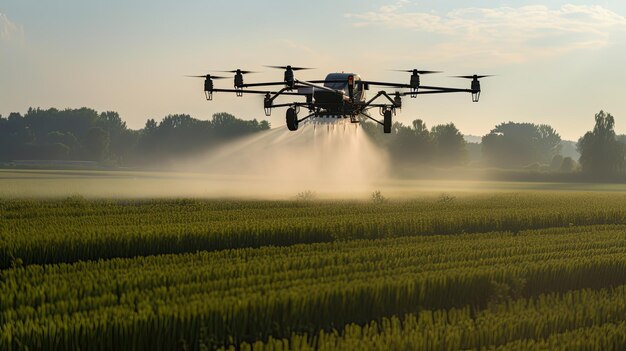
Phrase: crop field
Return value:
(506, 270)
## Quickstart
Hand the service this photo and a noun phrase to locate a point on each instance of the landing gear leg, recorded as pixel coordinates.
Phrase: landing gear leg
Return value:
(387, 122)
(292, 119)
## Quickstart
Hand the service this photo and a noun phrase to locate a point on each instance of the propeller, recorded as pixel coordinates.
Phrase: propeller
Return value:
(208, 76)
(293, 68)
(415, 71)
(239, 71)
(475, 76)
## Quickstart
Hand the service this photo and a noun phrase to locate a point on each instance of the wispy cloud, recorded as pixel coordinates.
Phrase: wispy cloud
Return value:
(513, 34)
(8, 30)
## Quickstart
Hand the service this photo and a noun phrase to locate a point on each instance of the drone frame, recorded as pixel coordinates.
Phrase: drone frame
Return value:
(387, 102)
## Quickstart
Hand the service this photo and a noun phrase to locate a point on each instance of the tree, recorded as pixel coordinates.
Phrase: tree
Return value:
(85, 133)
(548, 143)
(556, 162)
(568, 165)
(151, 125)
(111, 122)
(67, 139)
(420, 128)
(601, 155)
(520, 144)
(57, 151)
(410, 145)
(229, 126)
(181, 134)
(417, 145)
(97, 144)
(121, 138)
(449, 145)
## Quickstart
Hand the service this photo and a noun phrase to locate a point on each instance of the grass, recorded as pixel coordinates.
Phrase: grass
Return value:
(248, 294)
(512, 269)
(60, 231)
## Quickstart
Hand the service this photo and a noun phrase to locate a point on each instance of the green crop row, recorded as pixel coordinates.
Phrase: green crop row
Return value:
(74, 229)
(575, 320)
(229, 297)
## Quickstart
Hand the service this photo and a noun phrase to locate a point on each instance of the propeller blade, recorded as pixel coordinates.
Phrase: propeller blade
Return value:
(207, 76)
(475, 76)
(418, 71)
(293, 68)
(240, 71)
(301, 68)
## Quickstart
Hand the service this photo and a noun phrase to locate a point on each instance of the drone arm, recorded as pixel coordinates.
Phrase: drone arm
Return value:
(323, 81)
(388, 98)
(309, 84)
(299, 104)
(262, 84)
(443, 89)
(374, 98)
(285, 91)
(421, 87)
(372, 118)
(379, 94)
(435, 92)
(305, 118)
(258, 92)
(386, 84)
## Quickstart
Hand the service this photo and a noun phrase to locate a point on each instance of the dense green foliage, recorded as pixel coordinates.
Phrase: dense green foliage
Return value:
(601, 152)
(513, 271)
(243, 295)
(548, 322)
(520, 144)
(52, 231)
(509, 145)
(81, 134)
(84, 134)
(443, 145)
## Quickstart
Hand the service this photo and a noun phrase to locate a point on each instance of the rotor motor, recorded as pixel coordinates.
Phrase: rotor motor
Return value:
(267, 104)
(415, 81)
(289, 77)
(238, 80)
(339, 106)
(475, 85)
(208, 88)
(397, 100)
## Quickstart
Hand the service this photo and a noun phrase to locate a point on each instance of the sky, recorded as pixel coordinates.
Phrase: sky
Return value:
(557, 62)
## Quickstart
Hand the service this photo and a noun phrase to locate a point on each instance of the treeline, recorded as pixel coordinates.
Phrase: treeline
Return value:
(85, 134)
(509, 145)
(442, 145)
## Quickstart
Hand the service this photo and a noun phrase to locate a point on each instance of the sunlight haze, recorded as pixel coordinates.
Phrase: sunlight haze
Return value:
(557, 62)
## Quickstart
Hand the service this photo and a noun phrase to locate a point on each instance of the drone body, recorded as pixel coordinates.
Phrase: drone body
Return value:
(339, 95)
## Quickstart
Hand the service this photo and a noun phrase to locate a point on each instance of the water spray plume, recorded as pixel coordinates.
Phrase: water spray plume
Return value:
(332, 159)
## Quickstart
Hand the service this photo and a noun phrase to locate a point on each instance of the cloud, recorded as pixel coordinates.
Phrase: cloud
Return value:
(509, 33)
(8, 30)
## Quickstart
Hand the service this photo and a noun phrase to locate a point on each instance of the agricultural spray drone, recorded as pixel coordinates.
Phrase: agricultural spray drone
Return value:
(340, 95)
